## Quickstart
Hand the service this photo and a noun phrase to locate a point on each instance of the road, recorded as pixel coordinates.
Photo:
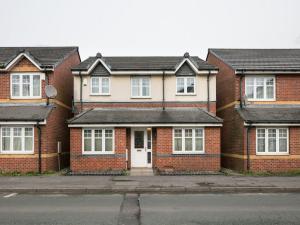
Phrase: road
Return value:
(148, 209)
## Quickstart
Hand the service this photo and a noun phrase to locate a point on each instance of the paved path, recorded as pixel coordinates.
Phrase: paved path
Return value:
(125, 184)
(151, 209)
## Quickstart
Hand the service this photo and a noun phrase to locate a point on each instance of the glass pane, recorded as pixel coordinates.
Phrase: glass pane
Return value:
(188, 144)
(28, 132)
(139, 139)
(250, 91)
(16, 85)
(28, 143)
(199, 144)
(272, 140)
(108, 133)
(178, 133)
(178, 144)
(270, 92)
(87, 145)
(26, 85)
(250, 81)
(108, 145)
(105, 85)
(87, 133)
(198, 132)
(190, 85)
(36, 85)
(282, 145)
(260, 92)
(5, 143)
(261, 145)
(95, 85)
(17, 143)
(180, 85)
(98, 144)
(270, 81)
(149, 141)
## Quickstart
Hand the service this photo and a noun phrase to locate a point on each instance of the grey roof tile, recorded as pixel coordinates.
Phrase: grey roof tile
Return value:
(45, 56)
(144, 63)
(260, 59)
(142, 116)
(24, 113)
(270, 114)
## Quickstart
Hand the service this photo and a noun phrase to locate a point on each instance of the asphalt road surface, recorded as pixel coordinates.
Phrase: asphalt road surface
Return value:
(147, 209)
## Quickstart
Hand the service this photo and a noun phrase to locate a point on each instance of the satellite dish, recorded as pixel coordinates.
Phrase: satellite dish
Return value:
(50, 91)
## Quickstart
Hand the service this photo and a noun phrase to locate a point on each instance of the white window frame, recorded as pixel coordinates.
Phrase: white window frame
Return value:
(103, 152)
(140, 86)
(183, 141)
(11, 151)
(265, 89)
(185, 85)
(31, 74)
(267, 143)
(100, 85)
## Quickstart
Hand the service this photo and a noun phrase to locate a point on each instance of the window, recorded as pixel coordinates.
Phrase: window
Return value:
(185, 85)
(98, 141)
(188, 140)
(26, 85)
(100, 85)
(260, 88)
(16, 140)
(140, 87)
(271, 141)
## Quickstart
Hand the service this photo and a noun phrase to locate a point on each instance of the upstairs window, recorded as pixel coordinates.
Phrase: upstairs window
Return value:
(100, 85)
(140, 87)
(18, 140)
(26, 85)
(272, 141)
(185, 85)
(260, 88)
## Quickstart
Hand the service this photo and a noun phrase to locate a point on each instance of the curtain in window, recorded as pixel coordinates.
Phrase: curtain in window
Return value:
(36, 85)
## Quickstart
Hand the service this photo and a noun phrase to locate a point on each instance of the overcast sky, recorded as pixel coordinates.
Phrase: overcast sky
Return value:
(153, 27)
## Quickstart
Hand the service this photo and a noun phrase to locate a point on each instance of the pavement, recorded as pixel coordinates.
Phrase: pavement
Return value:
(151, 209)
(148, 184)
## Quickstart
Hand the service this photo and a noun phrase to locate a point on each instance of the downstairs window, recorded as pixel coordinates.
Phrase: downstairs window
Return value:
(98, 141)
(188, 140)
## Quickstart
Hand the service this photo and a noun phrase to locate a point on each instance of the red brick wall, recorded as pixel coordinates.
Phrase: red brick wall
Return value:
(93, 163)
(164, 159)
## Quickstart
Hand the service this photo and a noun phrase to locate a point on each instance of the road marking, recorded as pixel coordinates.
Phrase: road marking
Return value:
(10, 195)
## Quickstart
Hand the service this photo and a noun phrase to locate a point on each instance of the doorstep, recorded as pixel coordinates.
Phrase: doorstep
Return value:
(141, 171)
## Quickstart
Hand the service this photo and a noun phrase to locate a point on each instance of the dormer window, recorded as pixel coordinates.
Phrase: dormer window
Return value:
(260, 88)
(100, 86)
(25, 85)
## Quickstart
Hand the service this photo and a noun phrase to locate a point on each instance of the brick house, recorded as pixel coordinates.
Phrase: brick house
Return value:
(150, 112)
(34, 136)
(258, 96)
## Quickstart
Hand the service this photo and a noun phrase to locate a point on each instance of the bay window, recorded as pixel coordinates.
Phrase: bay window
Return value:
(100, 85)
(272, 141)
(185, 85)
(140, 87)
(98, 141)
(17, 140)
(25, 85)
(260, 88)
(188, 140)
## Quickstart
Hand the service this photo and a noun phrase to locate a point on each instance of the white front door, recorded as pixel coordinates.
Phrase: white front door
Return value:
(140, 151)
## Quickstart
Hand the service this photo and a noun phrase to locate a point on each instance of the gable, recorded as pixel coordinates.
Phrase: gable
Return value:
(185, 70)
(24, 65)
(100, 70)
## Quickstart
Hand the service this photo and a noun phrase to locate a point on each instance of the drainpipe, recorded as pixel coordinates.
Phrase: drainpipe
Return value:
(163, 91)
(241, 89)
(81, 104)
(208, 90)
(47, 83)
(39, 145)
(248, 146)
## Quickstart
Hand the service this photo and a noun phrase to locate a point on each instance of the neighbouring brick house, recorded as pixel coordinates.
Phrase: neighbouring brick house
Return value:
(152, 112)
(33, 127)
(258, 96)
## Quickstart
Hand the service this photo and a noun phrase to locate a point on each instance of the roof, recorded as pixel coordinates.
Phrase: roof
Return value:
(43, 56)
(143, 63)
(24, 113)
(260, 59)
(270, 115)
(145, 116)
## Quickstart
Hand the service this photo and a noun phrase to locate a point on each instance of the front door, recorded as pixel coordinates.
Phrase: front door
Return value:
(140, 151)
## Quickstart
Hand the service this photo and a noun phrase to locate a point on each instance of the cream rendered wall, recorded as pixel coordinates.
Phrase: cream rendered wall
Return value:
(120, 90)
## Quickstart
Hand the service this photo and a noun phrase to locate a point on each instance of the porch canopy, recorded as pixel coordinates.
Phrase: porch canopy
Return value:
(22, 113)
(271, 114)
(145, 116)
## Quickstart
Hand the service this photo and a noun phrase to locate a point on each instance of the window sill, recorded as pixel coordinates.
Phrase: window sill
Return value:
(140, 97)
(16, 153)
(272, 154)
(100, 94)
(261, 100)
(186, 94)
(25, 98)
(188, 153)
(96, 153)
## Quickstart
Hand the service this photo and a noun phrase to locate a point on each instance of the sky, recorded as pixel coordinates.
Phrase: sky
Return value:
(152, 27)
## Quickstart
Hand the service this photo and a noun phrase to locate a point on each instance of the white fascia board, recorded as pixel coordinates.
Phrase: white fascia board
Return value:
(265, 72)
(22, 123)
(272, 124)
(147, 125)
(17, 58)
